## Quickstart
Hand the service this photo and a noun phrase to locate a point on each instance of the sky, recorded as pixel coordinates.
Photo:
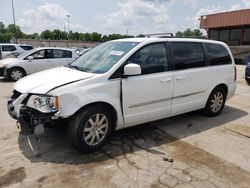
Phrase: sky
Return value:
(131, 17)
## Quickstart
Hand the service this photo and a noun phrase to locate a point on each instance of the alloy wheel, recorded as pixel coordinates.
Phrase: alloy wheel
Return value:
(95, 129)
(217, 102)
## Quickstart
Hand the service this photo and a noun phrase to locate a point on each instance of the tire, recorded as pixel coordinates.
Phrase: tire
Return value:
(15, 74)
(215, 102)
(247, 80)
(90, 128)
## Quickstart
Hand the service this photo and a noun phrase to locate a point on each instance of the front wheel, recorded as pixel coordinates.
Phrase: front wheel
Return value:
(215, 102)
(15, 74)
(91, 128)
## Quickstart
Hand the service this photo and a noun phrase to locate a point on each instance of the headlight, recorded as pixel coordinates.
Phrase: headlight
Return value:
(43, 103)
(248, 64)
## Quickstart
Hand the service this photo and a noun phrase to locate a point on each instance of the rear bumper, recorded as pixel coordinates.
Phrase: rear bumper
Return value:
(231, 90)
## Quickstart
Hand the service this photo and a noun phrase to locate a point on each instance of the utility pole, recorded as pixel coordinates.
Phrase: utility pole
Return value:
(68, 28)
(14, 20)
(68, 16)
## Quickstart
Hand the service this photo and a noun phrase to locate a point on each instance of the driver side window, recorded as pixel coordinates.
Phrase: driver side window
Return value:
(39, 54)
(42, 54)
(152, 58)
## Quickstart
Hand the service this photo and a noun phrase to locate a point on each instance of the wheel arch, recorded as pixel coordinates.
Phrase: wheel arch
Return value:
(109, 107)
(223, 86)
(16, 67)
(208, 109)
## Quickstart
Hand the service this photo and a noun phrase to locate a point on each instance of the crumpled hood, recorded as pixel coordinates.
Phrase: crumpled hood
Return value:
(44, 81)
(5, 62)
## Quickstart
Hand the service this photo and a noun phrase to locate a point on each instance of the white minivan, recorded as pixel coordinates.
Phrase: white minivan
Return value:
(123, 83)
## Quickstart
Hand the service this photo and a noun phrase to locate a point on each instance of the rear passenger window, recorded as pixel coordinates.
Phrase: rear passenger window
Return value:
(187, 55)
(218, 54)
(59, 53)
(152, 58)
(8, 48)
(68, 54)
(26, 47)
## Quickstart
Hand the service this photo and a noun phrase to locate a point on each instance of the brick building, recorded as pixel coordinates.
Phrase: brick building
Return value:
(232, 28)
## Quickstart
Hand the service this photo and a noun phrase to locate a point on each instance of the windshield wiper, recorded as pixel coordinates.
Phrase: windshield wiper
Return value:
(77, 68)
(73, 66)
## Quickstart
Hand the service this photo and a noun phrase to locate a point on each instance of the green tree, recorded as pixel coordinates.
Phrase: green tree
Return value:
(2, 27)
(104, 38)
(75, 36)
(5, 37)
(96, 37)
(46, 34)
(141, 35)
(189, 33)
(87, 37)
(15, 30)
(81, 37)
(198, 33)
(179, 34)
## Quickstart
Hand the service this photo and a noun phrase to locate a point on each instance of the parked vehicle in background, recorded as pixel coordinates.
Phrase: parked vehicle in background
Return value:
(13, 50)
(247, 71)
(34, 61)
(81, 51)
(85, 51)
(124, 83)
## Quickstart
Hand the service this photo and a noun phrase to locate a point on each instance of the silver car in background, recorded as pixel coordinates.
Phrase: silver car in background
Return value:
(36, 60)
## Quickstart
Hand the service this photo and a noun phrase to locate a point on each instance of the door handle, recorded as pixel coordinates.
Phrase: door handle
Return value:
(166, 80)
(181, 78)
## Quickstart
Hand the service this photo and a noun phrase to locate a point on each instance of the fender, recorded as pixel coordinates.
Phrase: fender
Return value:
(78, 97)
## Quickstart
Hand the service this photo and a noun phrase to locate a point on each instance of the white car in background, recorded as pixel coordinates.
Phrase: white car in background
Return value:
(13, 50)
(34, 61)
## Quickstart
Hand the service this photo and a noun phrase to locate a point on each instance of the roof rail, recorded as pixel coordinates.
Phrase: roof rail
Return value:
(193, 37)
(160, 35)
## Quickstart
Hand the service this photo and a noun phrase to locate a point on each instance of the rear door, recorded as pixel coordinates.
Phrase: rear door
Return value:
(148, 96)
(192, 76)
(61, 58)
(41, 61)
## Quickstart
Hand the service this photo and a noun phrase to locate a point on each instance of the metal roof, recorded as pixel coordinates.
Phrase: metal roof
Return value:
(226, 19)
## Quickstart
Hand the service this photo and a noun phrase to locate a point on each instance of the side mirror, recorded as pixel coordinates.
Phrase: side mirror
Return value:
(132, 70)
(30, 58)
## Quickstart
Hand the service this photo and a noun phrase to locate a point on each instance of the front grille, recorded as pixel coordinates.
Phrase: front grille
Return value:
(15, 94)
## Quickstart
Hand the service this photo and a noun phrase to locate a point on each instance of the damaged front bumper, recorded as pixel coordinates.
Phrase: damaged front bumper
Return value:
(29, 121)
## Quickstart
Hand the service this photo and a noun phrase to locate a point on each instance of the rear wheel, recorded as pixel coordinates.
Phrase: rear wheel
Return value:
(15, 74)
(91, 128)
(215, 102)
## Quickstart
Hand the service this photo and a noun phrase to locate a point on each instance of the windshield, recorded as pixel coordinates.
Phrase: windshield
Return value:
(101, 58)
(24, 54)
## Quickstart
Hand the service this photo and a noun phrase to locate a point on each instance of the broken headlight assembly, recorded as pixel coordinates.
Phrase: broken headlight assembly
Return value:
(44, 103)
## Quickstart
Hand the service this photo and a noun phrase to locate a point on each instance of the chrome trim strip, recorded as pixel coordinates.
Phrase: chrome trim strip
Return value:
(163, 100)
(182, 96)
(149, 102)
